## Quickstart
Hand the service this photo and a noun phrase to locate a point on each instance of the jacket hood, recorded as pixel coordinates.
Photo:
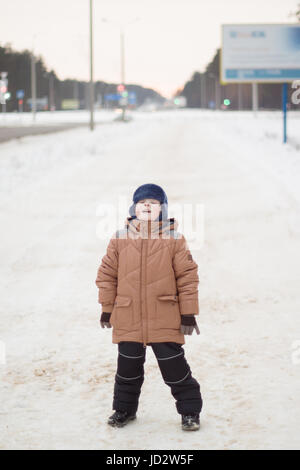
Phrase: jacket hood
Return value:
(155, 227)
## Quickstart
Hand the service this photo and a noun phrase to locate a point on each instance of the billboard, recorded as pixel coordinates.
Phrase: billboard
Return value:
(260, 53)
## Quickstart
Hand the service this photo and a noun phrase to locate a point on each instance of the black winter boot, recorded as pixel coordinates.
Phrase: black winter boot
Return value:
(190, 422)
(120, 418)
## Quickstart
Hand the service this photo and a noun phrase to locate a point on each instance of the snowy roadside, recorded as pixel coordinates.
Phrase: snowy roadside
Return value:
(55, 117)
(57, 384)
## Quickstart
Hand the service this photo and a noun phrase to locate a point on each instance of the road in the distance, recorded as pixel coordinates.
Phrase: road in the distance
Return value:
(15, 132)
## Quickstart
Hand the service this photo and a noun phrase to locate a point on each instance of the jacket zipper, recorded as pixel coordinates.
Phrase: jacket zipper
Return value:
(145, 267)
(141, 289)
(146, 310)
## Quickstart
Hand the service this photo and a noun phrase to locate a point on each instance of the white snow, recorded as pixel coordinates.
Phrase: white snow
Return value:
(56, 117)
(57, 383)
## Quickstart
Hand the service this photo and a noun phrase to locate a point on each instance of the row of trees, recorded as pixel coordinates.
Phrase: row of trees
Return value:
(204, 89)
(18, 66)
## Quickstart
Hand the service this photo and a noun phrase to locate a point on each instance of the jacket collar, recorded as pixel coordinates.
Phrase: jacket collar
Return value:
(152, 227)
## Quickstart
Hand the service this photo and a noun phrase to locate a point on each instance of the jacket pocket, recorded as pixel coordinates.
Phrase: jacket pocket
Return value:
(167, 312)
(122, 314)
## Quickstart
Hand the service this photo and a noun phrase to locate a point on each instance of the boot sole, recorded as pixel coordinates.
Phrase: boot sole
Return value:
(193, 428)
(115, 424)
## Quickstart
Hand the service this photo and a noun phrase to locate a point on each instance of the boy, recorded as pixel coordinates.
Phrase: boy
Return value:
(148, 289)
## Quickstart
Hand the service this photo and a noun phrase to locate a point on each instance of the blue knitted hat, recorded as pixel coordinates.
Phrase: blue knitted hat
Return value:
(150, 191)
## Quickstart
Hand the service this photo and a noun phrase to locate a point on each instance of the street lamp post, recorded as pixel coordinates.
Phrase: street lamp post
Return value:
(51, 92)
(240, 97)
(122, 57)
(91, 69)
(33, 86)
(123, 69)
(217, 89)
(33, 81)
(122, 44)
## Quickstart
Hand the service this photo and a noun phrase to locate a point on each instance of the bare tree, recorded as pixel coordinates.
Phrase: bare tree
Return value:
(295, 14)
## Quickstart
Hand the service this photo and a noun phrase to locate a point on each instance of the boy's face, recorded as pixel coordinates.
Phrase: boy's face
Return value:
(147, 209)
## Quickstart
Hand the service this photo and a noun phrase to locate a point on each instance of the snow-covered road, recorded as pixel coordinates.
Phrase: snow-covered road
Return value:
(57, 382)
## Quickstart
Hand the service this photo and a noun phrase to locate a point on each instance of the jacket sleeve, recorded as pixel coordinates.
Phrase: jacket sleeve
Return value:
(187, 279)
(107, 277)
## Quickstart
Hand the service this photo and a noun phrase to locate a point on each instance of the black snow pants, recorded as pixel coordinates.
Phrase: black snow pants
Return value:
(174, 368)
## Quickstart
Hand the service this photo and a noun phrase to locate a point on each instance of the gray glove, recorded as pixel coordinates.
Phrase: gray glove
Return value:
(104, 320)
(188, 324)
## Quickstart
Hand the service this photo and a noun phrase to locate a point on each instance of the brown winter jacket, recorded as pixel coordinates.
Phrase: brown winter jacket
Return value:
(147, 279)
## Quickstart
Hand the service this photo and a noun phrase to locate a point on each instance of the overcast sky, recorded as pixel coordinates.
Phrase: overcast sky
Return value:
(171, 40)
